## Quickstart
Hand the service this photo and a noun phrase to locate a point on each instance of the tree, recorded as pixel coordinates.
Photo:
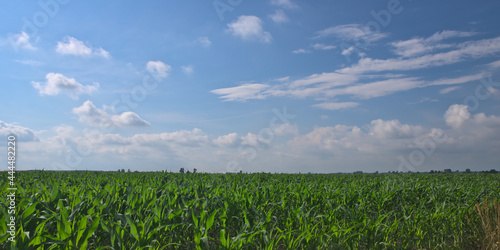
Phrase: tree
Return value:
(467, 170)
(447, 170)
(181, 171)
(194, 170)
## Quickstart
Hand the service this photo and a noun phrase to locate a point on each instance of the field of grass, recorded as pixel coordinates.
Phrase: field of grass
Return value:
(109, 210)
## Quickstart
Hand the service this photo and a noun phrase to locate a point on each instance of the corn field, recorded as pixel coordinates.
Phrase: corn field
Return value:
(109, 210)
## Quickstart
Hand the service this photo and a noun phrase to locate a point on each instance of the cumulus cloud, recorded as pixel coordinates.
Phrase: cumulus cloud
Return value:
(335, 148)
(394, 129)
(57, 83)
(89, 114)
(21, 40)
(73, 46)
(158, 69)
(249, 28)
(229, 140)
(193, 138)
(456, 115)
(22, 133)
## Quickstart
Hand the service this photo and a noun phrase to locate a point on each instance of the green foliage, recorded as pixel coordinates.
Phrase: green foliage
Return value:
(110, 210)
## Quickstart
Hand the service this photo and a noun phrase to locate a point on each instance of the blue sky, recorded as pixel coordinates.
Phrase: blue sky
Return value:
(274, 85)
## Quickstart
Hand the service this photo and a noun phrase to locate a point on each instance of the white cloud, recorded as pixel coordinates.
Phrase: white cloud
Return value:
(284, 3)
(229, 140)
(249, 28)
(204, 41)
(193, 138)
(335, 148)
(495, 64)
(456, 115)
(424, 99)
(29, 62)
(320, 46)
(459, 80)
(336, 105)
(325, 85)
(326, 80)
(466, 50)
(22, 133)
(394, 129)
(350, 32)
(448, 90)
(89, 114)
(419, 46)
(20, 40)
(187, 69)
(301, 51)
(279, 16)
(57, 83)
(377, 89)
(242, 93)
(73, 46)
(158, 69)
(286, 129)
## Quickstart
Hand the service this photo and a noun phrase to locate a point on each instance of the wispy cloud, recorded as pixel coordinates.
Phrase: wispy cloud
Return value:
(284, 3)
(279, 16)
(249, 28)
(204, 41)
(187, 69)
(448, 90)
(459, 80)
(320, 46)
(466, 50)
(73, 46)
(349, 32)
(242, 93)
(301, 51)
(495, 64)
(57, 83)
(336, 105)
(29, 62)
(419, 46)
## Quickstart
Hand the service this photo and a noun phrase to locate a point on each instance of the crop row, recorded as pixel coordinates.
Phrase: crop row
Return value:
(108, 210)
